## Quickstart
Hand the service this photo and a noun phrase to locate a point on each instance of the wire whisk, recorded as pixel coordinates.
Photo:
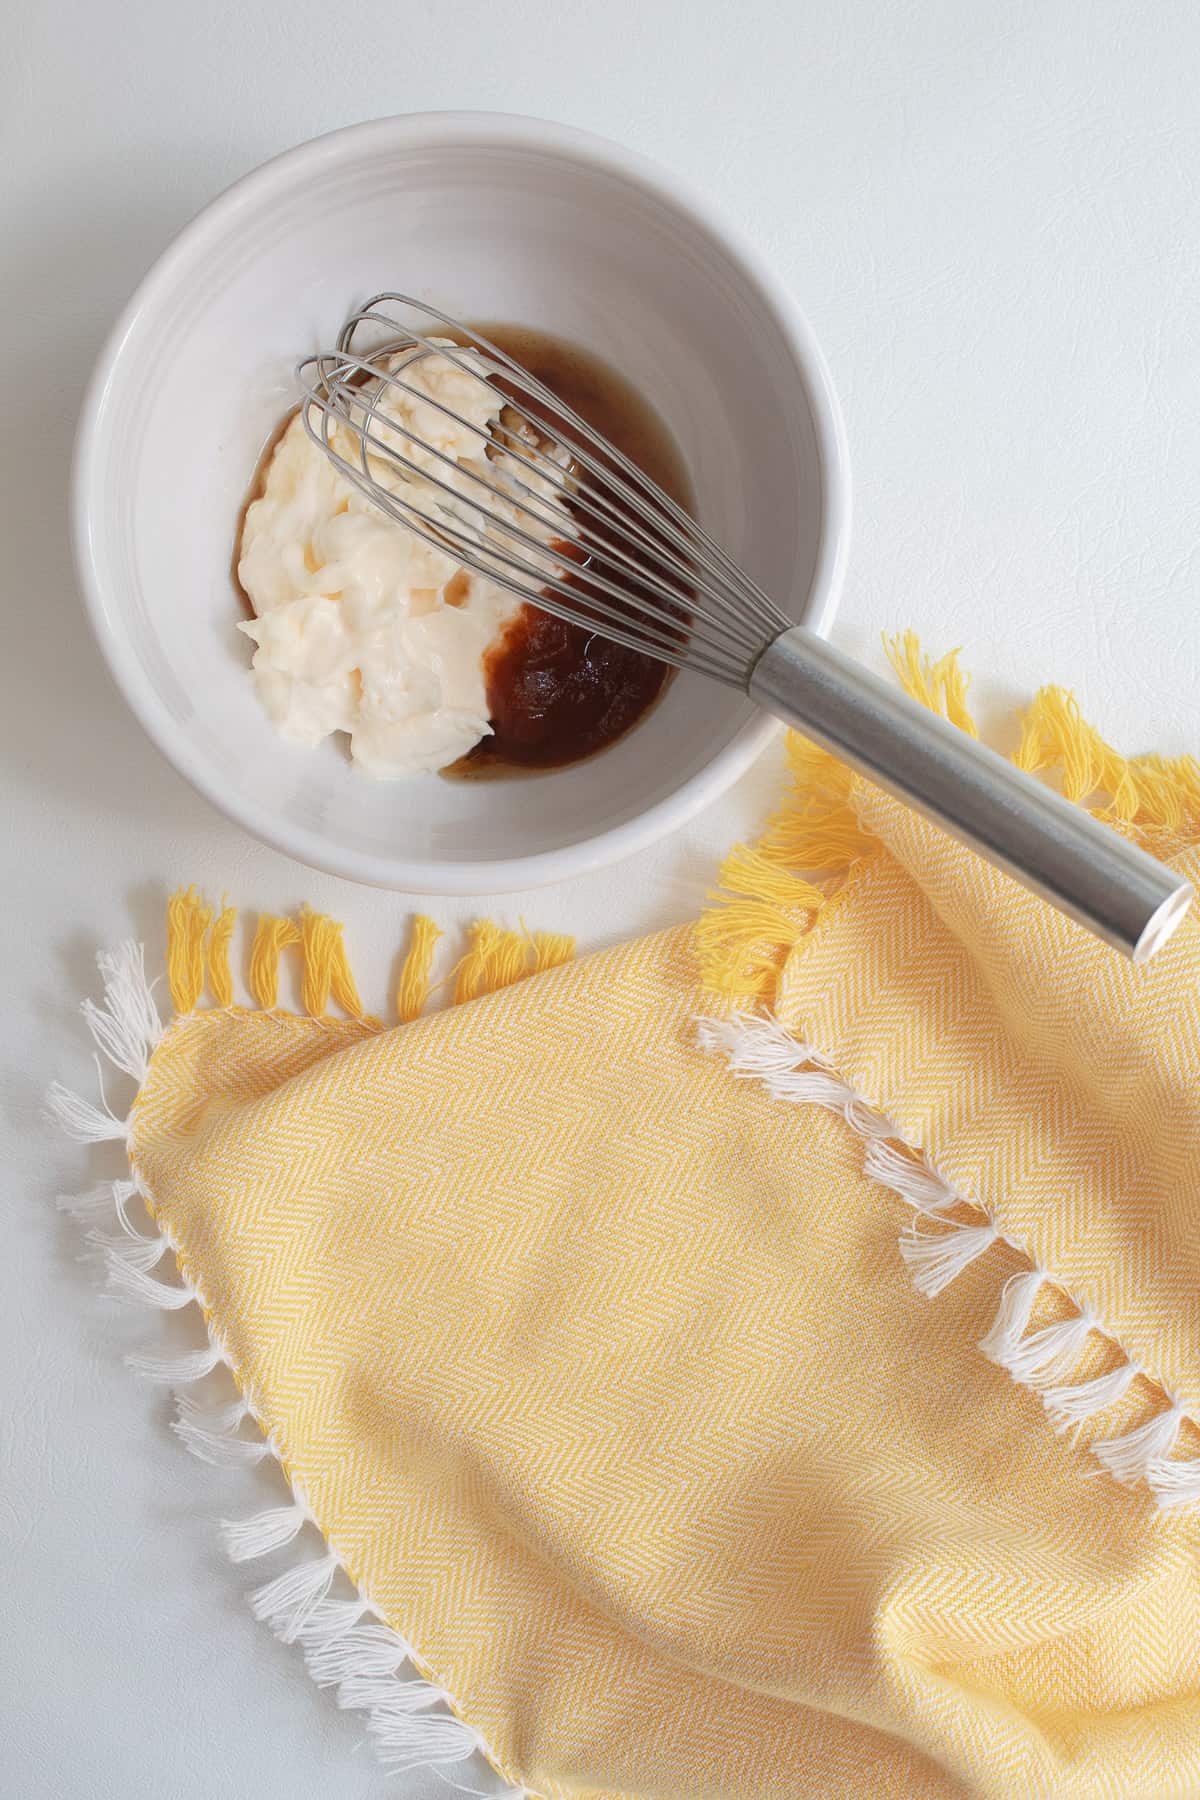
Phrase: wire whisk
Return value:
(488, 465)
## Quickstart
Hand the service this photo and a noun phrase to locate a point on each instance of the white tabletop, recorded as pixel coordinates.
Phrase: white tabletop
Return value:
(988, 212)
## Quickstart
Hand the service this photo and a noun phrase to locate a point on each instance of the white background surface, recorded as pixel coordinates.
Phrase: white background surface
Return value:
(989, 212)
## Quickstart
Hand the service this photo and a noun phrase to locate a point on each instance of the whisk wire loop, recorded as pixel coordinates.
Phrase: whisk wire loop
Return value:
(632, 496)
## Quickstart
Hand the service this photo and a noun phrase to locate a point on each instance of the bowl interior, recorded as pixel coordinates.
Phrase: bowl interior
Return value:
(487, 227)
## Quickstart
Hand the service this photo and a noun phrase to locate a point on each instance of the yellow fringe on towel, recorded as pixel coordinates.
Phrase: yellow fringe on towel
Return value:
(412, 990)
(816, 828)
(326, 969)
(198, 945)
(941, 686)
(271, 935)
(1170, 789)
(771, 896)
(550, 948)
(220, 975)
(1156, 797)
(762, 910)
(510, 961)
(187, 922)
(497, 959)
(1055, 734)
(470, 976)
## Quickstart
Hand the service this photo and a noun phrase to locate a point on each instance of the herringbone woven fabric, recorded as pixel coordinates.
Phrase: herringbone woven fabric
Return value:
(602, 1373)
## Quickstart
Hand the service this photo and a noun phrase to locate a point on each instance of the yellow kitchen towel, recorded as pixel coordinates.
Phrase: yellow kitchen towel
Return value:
(760, 1361)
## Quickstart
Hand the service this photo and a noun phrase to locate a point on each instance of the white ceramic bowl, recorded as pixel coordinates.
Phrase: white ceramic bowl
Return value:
(490, 217)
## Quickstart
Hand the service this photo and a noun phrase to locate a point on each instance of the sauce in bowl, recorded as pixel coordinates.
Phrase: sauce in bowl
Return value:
(558, 692)
(555, 692)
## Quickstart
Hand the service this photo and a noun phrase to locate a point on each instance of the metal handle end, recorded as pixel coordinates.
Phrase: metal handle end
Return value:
(1164, 922)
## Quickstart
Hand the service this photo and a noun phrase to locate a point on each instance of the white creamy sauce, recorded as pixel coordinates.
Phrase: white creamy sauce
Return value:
(361, 626)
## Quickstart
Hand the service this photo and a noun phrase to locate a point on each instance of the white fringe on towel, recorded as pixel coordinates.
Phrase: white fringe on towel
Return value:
(936, 1248)
(346, 1643)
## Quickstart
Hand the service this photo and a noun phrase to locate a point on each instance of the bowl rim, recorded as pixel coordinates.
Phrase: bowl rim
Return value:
(431, 129)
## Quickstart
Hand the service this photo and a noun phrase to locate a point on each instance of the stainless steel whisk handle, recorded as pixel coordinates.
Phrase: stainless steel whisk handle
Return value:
(1053, 847)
